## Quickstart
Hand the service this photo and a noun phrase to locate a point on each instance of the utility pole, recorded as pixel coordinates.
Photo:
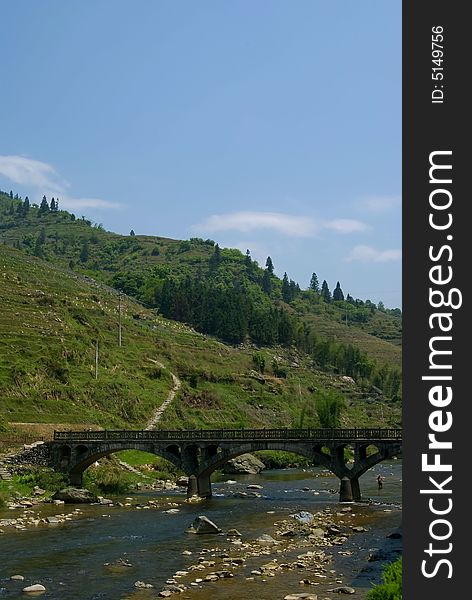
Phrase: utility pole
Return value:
(119, 319)
(96, 360)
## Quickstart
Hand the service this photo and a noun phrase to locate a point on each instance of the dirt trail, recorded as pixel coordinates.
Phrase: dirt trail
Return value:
(159, 411)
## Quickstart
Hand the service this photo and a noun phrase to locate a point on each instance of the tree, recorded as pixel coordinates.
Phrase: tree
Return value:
(39, 246)
(269, 265)
(84, 252)
(215, 259)
(329, 406)
(267, 282)
(286, 291)
(325, 293)
(338, 293)
(247, 260)
(44, 206)
(132, 232)
(314, 283)
(52, 206)
(259, 361)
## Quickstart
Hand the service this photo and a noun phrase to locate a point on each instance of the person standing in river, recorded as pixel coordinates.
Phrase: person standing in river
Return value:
(380, 481)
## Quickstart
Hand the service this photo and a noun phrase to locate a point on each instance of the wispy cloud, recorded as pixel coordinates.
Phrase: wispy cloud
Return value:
(285, 224)
(369, 254)
(40, 178)
(345, 225)
(380, 204)
(250, 221)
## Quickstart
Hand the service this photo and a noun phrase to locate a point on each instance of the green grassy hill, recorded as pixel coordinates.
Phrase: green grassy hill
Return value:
(49, 324)
(60, 277)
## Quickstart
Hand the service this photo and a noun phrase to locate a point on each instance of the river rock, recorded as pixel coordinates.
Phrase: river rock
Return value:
(246, 463)
(303, 517)
(203, 524)
(17, 578)
(141, 585)
(233, 533)
(305, 596)
(266, 539)
(52, 520)
(73, 495)
(37, 587)
(345, 589)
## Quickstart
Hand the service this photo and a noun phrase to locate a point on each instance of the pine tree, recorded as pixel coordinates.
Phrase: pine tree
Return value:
(286, 291)
(269, 265)
(44, 206)
(314, 283)
(247, 260)
(52, 206)
(132, 232)
(84, 252)
(26, 205)
(325, 293)
(267, 282)
(338, 293)
(215, 259)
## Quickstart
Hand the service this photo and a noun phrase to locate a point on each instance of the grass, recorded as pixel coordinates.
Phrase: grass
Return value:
(49, 324)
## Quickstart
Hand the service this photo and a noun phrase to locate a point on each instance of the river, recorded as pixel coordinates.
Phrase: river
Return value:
(77, 560)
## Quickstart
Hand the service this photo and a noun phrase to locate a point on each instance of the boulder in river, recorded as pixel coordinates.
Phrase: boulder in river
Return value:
(73, 495)
(37, 587)
(305, 596)
(345, 589)
(303, 517)
(245, 464)
(203, 524)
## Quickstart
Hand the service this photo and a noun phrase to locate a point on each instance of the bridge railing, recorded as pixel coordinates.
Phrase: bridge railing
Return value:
(326, 434)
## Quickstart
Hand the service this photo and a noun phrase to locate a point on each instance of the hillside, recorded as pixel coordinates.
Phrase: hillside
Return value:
(49, 325)
(171, 274)
(67, 272)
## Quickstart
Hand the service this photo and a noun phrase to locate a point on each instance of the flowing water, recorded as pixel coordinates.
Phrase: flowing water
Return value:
(69, 559)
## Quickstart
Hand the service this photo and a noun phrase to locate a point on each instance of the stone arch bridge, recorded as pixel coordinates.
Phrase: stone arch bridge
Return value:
(201, 452)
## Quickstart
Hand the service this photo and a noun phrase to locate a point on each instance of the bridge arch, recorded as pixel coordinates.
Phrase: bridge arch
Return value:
(216, 460)
(82, 456)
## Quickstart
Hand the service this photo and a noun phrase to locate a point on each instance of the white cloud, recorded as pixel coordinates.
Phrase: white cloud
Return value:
(345, 225)
(369, 254)
(379, 204)
(40, 178)
(250, 221)
(289, 225)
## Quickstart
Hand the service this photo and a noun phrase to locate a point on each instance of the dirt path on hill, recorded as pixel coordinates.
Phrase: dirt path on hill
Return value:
(159, 411)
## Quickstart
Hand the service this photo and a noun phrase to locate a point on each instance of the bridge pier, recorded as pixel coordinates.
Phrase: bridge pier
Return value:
(199, 485)
(76, 479)
(356, 489)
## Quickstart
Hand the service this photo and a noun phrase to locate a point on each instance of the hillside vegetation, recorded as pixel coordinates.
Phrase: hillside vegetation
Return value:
(271, 350)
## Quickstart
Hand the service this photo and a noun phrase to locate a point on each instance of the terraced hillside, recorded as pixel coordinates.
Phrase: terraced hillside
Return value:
(50, 322)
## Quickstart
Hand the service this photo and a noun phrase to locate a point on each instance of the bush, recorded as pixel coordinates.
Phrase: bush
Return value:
(392, 586)
(110, 479)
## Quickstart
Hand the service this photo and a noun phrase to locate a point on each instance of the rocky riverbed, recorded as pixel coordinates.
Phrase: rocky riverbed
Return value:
(292, 538)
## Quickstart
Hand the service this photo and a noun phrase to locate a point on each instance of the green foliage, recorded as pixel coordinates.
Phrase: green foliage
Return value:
(259, 361)
(109, 478)
(45, 478)
(391, 589)
(329, 406)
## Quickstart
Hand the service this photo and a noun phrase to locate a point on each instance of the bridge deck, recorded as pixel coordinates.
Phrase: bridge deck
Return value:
(352, 434)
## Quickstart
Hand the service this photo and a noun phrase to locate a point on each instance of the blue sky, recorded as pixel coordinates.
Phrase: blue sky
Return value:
(269, 125)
